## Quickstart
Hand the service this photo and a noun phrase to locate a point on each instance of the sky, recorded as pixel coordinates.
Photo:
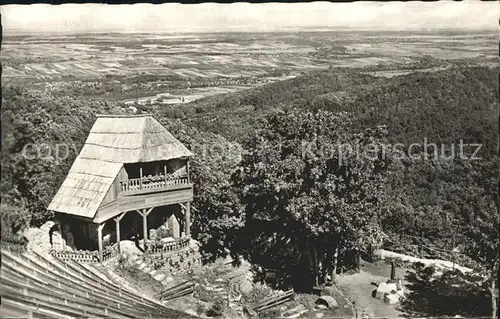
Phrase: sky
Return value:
(241, 16)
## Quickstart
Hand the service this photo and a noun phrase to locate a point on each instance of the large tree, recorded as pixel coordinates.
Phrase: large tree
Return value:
(312, 190)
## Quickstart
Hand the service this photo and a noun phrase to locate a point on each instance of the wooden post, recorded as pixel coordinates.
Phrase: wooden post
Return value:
(145, 226)
(165, 173)
(335, 263)
(140, 179)
(144, 213)
(99, 240)
(187, 223)
(187, 171)
(118, 237)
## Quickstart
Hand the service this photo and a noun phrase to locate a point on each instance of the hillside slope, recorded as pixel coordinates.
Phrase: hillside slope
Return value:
(444, 106)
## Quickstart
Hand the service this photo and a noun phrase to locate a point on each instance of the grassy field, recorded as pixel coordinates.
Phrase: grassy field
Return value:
(166, 69)
(225, 55)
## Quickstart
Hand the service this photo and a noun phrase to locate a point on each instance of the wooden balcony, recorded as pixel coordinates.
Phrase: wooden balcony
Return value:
(152, 183)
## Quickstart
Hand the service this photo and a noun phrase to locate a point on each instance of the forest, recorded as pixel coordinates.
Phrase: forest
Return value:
(277, 209)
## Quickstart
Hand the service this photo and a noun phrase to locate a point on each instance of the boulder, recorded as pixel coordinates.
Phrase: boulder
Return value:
(327, 301)
(385, 288)
(391, 299)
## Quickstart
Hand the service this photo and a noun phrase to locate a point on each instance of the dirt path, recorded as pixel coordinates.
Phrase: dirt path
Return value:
(358, 288)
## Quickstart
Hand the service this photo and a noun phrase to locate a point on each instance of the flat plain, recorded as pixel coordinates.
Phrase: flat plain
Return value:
(179, 68)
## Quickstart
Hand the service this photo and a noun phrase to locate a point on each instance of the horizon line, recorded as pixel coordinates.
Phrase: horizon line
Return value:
(14, 31)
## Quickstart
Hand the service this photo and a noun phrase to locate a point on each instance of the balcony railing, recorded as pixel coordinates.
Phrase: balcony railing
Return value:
(84, 256)
(153, 182)
(165, 247)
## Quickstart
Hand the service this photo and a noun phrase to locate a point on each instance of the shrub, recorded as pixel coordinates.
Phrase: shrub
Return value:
(217, 309)
(200, 309)
(14, 220)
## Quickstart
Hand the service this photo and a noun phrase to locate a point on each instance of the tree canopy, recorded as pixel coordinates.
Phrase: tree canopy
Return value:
(299, 189)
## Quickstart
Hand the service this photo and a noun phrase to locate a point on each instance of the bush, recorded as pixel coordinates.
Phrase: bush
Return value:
(217, 308)
(13, 221)
(200, 309)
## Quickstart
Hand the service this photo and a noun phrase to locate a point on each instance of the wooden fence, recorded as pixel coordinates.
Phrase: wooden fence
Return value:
(270, 302)
(164, 247)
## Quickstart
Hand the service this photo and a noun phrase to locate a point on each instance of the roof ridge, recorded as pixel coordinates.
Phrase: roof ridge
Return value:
(125, 115)
(130, 132)
(125, 148)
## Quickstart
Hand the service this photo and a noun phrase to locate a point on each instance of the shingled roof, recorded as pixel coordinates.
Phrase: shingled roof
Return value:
(114, 140)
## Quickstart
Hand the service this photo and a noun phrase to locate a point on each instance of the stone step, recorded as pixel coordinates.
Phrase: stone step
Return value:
(300, 313)
(141, 266)
(138, 261)
(234, 305)
(167, 280)
(295, 312)
(152, 273)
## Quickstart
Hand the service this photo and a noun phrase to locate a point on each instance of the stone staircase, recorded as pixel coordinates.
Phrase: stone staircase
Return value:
(176, 263)
(167, 275)
(220, 289)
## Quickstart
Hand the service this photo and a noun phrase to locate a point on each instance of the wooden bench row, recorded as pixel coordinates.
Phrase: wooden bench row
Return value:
(41, 287)
(81, 272)
(69, 292)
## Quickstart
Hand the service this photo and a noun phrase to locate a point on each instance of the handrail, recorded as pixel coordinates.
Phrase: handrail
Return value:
(153, 182)
(163, 247)
(85, 256)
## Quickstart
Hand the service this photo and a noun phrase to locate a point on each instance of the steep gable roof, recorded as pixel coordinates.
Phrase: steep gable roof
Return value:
(112, 141)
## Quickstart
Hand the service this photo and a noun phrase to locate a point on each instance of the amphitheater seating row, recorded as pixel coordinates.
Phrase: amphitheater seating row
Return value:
(38, 286)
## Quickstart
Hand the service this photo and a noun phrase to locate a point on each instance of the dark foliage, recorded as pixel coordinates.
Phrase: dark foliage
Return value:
(453, 293)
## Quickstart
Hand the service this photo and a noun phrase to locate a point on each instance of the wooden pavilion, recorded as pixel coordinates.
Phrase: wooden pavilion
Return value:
(131, 171)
